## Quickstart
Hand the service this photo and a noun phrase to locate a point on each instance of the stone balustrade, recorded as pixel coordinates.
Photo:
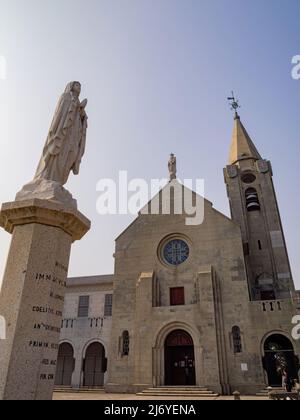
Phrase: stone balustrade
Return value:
(86, 323)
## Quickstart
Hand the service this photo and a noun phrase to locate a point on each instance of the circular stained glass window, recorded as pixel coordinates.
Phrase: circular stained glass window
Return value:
(176, 252)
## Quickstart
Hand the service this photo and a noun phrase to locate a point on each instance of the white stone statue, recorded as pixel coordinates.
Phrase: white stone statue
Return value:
(65, 143)
(63, 151)
(172, 165)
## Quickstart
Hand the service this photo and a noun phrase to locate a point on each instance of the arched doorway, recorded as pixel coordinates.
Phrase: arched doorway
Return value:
(65, 365)
(179, 359)
(279, 356)
(94, 366)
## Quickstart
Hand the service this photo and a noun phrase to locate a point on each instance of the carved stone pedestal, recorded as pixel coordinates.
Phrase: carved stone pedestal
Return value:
(32, 294)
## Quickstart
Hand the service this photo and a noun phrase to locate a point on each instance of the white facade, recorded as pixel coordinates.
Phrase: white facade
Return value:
(80, 332)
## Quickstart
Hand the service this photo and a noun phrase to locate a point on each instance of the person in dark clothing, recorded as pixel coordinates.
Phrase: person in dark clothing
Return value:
(288, 382)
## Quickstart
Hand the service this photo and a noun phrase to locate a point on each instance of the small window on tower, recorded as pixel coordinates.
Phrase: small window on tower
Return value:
(125, 343)
(236, 340)
(248, 178)
(259, 245)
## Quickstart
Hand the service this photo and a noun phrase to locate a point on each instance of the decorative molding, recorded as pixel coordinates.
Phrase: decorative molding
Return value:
(44, 212)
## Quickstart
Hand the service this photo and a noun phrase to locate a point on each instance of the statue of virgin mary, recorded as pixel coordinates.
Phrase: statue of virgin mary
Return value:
(65, 144)
(172, 165)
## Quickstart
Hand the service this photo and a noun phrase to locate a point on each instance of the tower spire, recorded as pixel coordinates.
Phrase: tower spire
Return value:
(242, 147)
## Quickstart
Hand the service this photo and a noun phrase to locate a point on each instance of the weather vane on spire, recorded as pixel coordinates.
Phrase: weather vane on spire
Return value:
(234, 103)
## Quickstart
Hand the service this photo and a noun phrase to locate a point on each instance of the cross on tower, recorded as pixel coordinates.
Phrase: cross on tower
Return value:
(234, 103)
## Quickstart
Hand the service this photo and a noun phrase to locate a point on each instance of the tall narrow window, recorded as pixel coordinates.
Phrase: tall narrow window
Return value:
(125, 343)
(108, 305)
(252, 201)
(83, 307)
(259, 245)
(237, 340)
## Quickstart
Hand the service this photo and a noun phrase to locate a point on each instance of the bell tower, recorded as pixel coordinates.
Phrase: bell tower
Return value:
(253, 204)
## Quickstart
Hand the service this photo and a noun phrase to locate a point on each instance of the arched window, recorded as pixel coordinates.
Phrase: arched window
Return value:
(252, 201)
(236, 340)
(125, 343)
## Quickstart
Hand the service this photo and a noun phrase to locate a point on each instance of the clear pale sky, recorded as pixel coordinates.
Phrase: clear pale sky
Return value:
(157, 74)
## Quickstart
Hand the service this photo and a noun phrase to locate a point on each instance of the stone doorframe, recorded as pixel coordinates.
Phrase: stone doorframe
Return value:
(158, 352)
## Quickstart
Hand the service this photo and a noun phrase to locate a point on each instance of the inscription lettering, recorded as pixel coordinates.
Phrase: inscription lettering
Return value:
(43, 344)
(46, 377)
(48, 362)
(61, 266)
(50, 278)
(46, 327)
(39, 344)
(56, 297)
(41, 309)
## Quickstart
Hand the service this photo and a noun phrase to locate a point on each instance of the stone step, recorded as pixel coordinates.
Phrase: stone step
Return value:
(179, 394)
(174, 391)
(69, 390)
(177, 389)
(265, 392)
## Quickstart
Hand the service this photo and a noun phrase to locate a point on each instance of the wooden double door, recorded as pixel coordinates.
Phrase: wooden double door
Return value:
(179, 359)
(94, 366)
(65, 365)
